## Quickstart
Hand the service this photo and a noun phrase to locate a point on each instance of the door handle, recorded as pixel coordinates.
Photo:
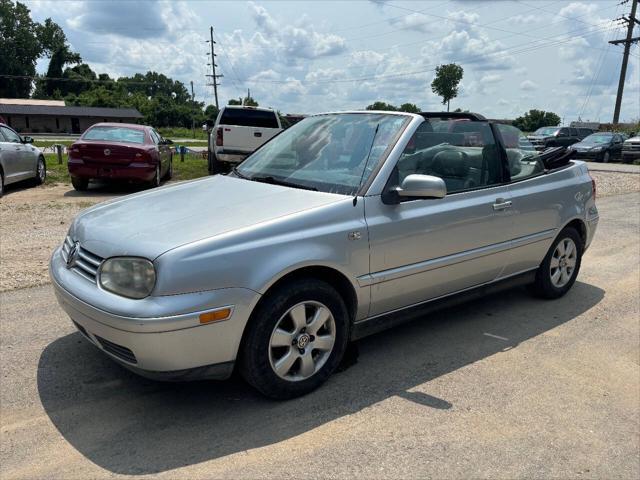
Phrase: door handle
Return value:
(502, 204)
(257, 134)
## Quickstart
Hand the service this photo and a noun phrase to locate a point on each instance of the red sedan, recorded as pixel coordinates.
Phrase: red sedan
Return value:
(122, 151)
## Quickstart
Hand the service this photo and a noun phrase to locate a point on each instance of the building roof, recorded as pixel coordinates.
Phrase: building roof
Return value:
(63, 111)
(31, 101)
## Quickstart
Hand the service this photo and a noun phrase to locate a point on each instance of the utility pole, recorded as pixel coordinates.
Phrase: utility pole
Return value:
(193, 108)
(214, 77)
(631, 20)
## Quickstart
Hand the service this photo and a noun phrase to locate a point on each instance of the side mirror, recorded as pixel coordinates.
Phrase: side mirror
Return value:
(27, 140)
(167, 141)
(422, 186)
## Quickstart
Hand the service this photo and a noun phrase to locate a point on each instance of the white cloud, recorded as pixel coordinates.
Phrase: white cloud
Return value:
(528, 85)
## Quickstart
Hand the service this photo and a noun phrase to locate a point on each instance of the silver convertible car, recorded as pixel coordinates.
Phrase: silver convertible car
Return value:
(342, 225)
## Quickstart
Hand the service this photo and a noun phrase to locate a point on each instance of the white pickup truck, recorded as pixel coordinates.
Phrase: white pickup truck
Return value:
(238, 131)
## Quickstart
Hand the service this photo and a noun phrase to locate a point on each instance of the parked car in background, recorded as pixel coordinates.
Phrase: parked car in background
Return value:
(631, 150)
(237, 132)
(120, 151)
(345, 224)
(546, 137)
(19, 160)
(601, 146)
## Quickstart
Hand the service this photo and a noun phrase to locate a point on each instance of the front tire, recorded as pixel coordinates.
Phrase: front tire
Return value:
(606, 156)
(1, 184)
(295, 339)
(559, 269)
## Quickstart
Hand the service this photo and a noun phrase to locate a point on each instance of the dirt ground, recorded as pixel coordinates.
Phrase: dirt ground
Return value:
(33, 221)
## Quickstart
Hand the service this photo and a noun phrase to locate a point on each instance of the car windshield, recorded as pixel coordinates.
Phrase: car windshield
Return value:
(598, 138)
(115, 134)
(546, 130)
(333, 153)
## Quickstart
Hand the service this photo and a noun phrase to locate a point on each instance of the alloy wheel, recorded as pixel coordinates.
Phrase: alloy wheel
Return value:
(302, 341)
(563, 262)
(41, 171)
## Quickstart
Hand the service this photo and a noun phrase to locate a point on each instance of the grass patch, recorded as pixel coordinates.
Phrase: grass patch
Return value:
(194, 166)
(180, 132)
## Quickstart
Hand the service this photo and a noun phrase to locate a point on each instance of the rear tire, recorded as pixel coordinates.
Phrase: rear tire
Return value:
(215, 165)
(285, 353)
(559, 269)
(169, 174)
(156, 178)
(41, 172)
(80, 184)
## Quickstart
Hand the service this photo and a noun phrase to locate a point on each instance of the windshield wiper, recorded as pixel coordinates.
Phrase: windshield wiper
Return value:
(237, 173)
(275, 181)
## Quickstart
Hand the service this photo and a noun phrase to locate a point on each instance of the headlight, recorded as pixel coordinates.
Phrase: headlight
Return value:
(131, 277)
(596, 149)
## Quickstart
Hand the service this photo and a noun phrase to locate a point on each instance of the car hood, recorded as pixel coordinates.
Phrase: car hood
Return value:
(539, 137)
(150, 223)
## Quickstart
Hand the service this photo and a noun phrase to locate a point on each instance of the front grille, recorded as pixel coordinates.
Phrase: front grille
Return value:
(117, 350)
(631, 146)
(86, 263)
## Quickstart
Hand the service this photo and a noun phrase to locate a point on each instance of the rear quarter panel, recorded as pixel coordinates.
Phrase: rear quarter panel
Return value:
(542, 206)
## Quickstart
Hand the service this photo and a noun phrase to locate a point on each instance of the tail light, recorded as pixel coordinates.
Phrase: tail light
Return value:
(219, 137)
(73, 151)
(593, 186)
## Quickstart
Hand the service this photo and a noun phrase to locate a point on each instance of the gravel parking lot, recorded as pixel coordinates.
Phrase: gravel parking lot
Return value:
(506, 387)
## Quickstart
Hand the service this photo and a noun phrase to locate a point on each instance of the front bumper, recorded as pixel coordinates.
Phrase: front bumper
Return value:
(588, 155)
(630, 155)
(174, 346)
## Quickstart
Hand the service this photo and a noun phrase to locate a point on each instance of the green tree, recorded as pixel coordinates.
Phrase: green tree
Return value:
(55, 46)
(534, 119)
(248, 101)
(20, 49)
(446, 82)
(409, 108)
(382, 106)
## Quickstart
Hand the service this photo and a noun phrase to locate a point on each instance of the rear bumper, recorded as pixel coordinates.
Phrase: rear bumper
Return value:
(143, 172)
(230, 156)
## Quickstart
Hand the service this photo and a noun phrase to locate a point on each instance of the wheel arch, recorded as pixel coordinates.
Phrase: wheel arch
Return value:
(580, 226)
(330, 275)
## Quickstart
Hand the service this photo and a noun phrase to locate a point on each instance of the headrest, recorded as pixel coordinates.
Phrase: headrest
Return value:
(450, 163)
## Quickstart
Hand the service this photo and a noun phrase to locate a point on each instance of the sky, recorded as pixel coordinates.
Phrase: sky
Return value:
(313, 56)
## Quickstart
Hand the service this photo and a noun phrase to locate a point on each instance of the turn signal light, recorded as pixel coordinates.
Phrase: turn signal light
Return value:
(216, 315)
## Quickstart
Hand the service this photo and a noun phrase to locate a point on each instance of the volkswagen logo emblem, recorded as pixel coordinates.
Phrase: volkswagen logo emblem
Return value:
(107, 152)
(73, 255)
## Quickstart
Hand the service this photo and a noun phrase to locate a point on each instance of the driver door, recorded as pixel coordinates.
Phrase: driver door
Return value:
(421, 249)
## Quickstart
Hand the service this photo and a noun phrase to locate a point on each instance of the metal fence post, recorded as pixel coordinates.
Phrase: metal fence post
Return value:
(59, 151)
(182, 149)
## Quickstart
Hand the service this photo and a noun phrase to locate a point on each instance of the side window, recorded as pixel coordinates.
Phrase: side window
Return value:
(465, 155)
(10, 135)
(573, 132)
(524, 160)
(2, 139)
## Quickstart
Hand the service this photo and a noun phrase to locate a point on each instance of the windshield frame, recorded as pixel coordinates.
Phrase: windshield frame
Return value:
(375, 169)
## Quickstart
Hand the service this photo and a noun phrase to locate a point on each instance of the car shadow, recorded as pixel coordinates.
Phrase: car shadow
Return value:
(98, 188)
(130, 425)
